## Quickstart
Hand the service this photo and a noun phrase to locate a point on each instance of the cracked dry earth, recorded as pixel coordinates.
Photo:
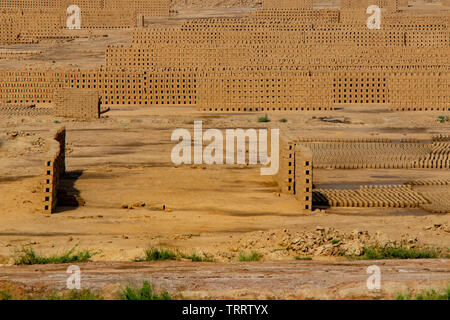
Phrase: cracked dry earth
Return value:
(238, 280)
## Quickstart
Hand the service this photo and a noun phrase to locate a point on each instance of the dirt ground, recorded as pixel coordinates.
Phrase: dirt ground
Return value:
(124, 158)
(262, 280)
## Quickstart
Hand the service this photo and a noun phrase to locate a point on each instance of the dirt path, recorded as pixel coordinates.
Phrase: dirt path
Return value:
(257, 280)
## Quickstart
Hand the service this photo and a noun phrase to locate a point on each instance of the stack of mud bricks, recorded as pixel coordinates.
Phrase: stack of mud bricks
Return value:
(29, 21)
(369, 153)
(295, 174)
(55, 168)
(286, 58)
(391, 5)
(286, 173)
(263, 89)
(28, 26)
(77, 103)
(391, 196)
(420, 91)
(35, 86)
(290, 4)
(303, 177)
(322, 16)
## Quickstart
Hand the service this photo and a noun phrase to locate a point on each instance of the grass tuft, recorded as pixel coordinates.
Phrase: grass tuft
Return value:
(252, 256)
(390, 252)
(155, 254)
(6, 295)
(427, 295)
(146, 292)
(27, 256)
(71, 295)
(284, 120)
(393, 252)
(303, 258)
(76, 295)
(264, 119)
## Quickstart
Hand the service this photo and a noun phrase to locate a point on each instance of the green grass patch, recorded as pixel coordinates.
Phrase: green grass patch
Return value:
(146, 292)
(264, 119)
(335, 241)
(6, 295)
(252, 256)
(391, 252)
(70, 295)
(155, 254)
(427, 295)
(27, 256)
(303, 258)
(161, 254)
(284, 120)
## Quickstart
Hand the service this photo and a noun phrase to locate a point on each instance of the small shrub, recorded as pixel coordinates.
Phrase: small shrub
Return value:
(284, 120)
(443, 119)
(303, 258)
(147, 292)
(264, 119)
(335, 241)
(154, 254)
(27, 256)
(252, 256)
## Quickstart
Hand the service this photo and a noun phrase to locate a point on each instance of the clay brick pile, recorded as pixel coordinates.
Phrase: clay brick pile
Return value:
(300, 156)
(436, 191)
(77, 103)
(289, 58)
(289, 4)
(402, 196)
(55, 168)
(373, 154)
(8, 110)
(438, 158)
(30, 21)
(18, 54)
(295, 174)
(438, 197)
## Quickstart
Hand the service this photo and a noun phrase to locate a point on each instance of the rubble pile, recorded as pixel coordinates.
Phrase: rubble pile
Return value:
(320, 242)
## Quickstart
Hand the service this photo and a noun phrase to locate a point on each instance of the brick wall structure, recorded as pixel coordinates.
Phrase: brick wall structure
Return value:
(55, 168)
